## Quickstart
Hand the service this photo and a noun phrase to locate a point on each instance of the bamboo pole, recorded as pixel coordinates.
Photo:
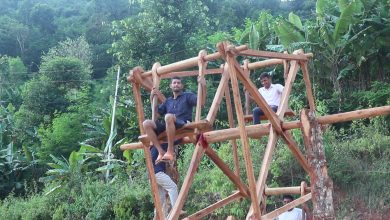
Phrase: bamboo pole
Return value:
(285, 190)
(153, 183)
(196, 156)
(247, 96)
(267, 54)
(156, 87)
(215, 105)
(233, 142)
(188, 63)
(260, 184)
(201, 96)
(264, 63)
(287, 88)
(241, 124)
(256, 131)
(202, 213)
(309, 92)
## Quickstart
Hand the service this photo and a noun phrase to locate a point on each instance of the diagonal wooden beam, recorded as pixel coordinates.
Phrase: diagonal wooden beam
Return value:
(218, 95)
(272, 215)
(241, 124)
(201, 85)
(153, 183)
(263, 174)
(196, 156)
(287, 89)
(226, 170)
(309, 92)
(202, 213)
(233, 142)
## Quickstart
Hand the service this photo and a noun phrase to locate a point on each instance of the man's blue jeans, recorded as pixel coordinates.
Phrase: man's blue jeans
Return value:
(257, 113)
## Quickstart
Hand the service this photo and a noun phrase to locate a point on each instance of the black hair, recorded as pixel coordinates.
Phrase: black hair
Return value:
(176, 77)
(288, 197)
(265, 75)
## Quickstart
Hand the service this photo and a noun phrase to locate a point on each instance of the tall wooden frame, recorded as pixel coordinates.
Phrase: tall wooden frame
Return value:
(256, 190)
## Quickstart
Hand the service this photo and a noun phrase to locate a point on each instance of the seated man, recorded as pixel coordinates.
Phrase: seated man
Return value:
(178, 111)
(271, 93)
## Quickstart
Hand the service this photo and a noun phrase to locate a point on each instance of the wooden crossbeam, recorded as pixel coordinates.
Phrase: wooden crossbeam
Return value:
(268, 54)
(188, 63)
(202, 213)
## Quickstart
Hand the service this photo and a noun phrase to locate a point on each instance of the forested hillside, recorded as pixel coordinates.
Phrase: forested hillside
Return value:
(58, 66)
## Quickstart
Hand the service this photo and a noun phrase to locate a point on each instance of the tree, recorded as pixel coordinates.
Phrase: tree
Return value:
(159, 32)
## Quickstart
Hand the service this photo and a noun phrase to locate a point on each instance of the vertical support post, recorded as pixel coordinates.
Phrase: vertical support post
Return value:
(232, 125)
(201, 85)
(156, 87)
(247, 96)
(321, 183)
(309, 92)
(244, 136)
(153, 183)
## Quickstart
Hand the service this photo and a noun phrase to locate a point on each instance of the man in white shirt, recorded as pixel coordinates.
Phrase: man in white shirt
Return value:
(292, 214)
(271, 93)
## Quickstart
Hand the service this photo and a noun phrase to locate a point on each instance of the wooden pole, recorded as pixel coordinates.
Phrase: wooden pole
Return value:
(241, 124)
(156, 87)
(202, 213)
(188, 63)
(285, 190)
(233, 142)
(321, 183)
(309, 92)
(263, 174)
(267, 54)
(218, 95)
(153, 183)
(196, 156)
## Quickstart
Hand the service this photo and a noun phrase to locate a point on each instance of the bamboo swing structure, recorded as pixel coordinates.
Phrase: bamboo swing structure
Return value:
(201, 133)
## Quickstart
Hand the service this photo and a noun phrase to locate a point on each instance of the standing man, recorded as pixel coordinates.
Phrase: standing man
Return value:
(271, 93)
(294, 213)
(164, 182)
(178, 111)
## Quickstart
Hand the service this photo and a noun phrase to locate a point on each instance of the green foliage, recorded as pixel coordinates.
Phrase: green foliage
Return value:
(62, 137)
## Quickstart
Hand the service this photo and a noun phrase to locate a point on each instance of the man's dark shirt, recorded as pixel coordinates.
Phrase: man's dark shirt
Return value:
(161, 166)
(181, 107)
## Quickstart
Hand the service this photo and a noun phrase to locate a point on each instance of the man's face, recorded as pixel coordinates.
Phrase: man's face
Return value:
(176, 85)
(286, 201)
(266, 82)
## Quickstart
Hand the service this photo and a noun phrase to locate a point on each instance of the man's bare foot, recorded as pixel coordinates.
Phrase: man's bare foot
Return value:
(167, 157)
